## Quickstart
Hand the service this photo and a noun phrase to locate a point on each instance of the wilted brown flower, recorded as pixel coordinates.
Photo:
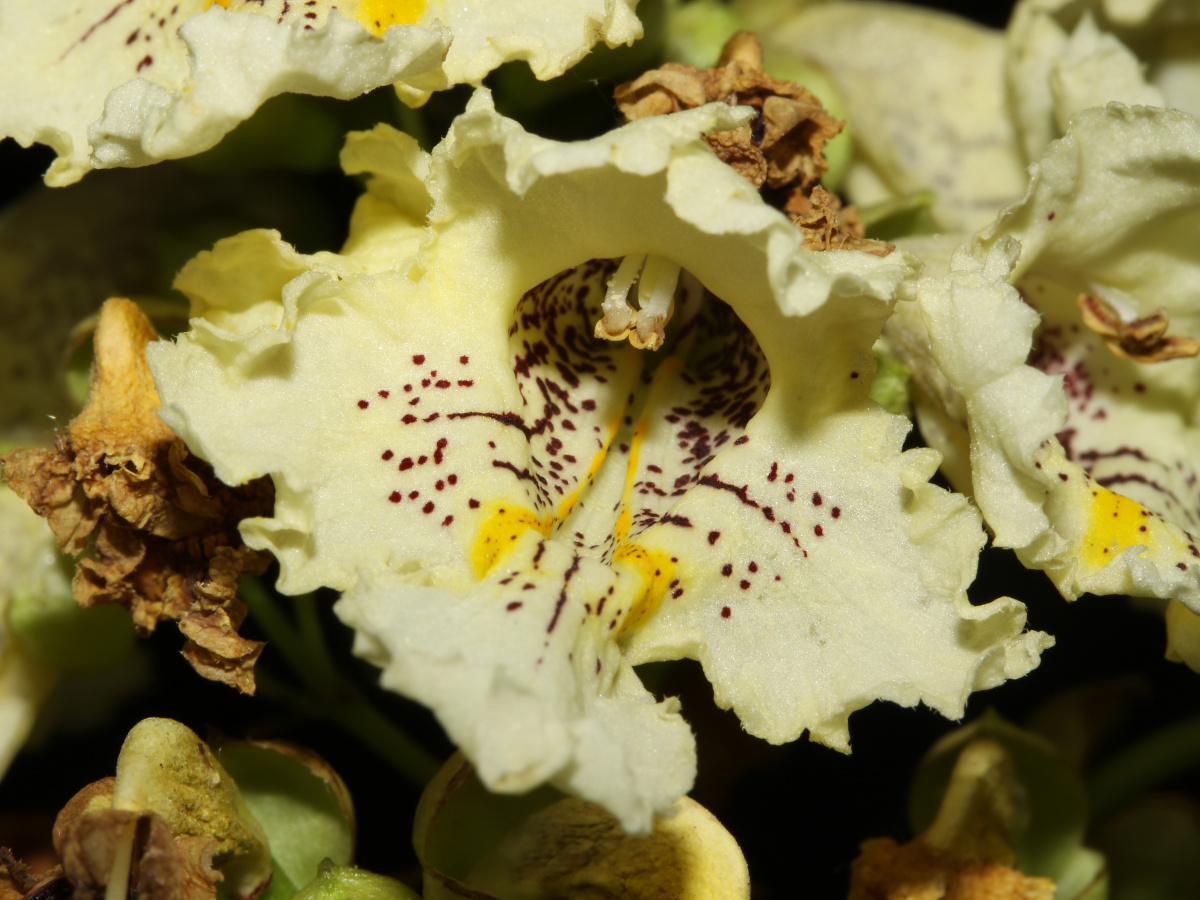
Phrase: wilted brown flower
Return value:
(161, 530)
(781, 150)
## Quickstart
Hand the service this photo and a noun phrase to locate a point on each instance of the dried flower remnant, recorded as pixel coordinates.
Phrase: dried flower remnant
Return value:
(827, 225)
(161, 530)
(1143, 339)
(169, 826)
(779, 149)
(967, 852)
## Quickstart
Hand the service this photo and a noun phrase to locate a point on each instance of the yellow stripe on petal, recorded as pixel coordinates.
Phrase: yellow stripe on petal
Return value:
(568, 503)
(500, 533)
(657, 570)
(663, 377)
(1115, 522)
(379, 15)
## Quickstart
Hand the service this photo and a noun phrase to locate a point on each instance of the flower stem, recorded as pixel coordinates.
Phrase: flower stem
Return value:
(1145, 765)
(355, 714)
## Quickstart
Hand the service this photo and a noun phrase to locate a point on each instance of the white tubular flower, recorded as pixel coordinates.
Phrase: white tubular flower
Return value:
(518, 511)
(1083, 425)
(131, 82)
(939, 125)
(1064, 56)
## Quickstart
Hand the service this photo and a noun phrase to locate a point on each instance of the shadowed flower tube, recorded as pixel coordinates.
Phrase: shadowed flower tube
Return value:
(518, 512)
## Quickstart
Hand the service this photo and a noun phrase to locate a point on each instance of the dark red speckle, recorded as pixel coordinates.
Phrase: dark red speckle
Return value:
(836, 512)
(516, 604)
(1050, 217)
(816, 500)
(394, 496)
(818, 531)
(409, 419)
(427, 508)
(473, 503)
(363, 404)
(743, 584)
(725, 612)
(1182, 567)
(384, 394)
(713, 536)
(446, 521)
(406, 464)
(419, 359)
(387, 454)
(727, 570)
(741, 440)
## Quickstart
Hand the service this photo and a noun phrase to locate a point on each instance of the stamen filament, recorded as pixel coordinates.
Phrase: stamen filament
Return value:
(619, 317)
(659, 278)
(656, 296)
(117, 887)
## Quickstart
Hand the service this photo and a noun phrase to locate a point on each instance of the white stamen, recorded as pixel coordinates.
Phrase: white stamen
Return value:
(656, 296)
(619, 317)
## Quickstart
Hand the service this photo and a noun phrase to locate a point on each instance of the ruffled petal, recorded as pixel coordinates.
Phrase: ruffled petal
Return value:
(1063, 56)
(134, 82)
(1084, 461)
(814, 568)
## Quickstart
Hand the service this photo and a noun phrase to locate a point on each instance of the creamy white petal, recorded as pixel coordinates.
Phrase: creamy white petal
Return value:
(131, 82)
(1063, 56)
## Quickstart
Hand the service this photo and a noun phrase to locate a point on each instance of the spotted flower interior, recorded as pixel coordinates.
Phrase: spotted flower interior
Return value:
(518, 511)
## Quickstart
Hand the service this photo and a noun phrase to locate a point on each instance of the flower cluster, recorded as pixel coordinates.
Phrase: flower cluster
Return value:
(555, 410)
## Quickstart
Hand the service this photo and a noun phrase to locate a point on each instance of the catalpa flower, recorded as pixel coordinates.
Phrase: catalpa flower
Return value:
(519, 511)
(1067, 328)
(130, 82)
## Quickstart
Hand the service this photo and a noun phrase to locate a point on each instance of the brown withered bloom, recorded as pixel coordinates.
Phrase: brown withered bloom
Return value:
(780, 152)
(1144, 340)
(161, 531)
(967, 852)
(169, 826)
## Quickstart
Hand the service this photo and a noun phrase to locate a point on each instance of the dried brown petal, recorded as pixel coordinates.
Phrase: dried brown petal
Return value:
(102, 844)
(15, 880)
(1144, 340)
(885, 870)
(162, 530)
(781, 150)
(826, 225)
